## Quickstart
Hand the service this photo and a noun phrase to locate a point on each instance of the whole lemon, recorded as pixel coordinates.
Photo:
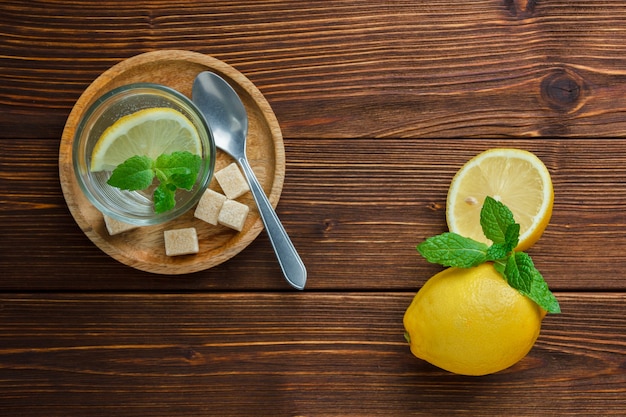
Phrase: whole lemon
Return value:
(471, 321)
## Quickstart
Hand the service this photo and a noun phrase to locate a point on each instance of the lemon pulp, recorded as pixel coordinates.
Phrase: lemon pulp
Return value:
(148, 132)
(515, 177)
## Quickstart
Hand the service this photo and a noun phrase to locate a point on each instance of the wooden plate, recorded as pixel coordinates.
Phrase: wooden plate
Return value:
(143, 248)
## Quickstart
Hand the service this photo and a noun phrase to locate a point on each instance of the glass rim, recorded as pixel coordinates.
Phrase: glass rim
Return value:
(80, 160)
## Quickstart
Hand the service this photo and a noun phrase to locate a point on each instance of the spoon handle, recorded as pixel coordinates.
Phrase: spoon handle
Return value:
(288, 258)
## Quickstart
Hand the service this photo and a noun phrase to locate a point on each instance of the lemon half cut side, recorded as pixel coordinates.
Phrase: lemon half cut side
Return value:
(149, 132)
(515, 177)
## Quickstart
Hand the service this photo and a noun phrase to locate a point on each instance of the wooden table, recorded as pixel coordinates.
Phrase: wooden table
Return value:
(379, 104)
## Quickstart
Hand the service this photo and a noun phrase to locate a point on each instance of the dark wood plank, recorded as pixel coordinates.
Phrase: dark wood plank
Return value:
(355, 209)
(342, 68)
(373, 98)
(297, 354)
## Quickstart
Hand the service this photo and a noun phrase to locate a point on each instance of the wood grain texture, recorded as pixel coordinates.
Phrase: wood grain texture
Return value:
(355, 209)
(306, 354)
(376, 101)
(342, 68)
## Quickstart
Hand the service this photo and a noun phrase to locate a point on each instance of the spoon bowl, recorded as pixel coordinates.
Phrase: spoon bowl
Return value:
(228, 121)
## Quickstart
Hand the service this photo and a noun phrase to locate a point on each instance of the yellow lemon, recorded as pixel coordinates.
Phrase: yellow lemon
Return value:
(514, 177)
(148, 132)
(471, 322)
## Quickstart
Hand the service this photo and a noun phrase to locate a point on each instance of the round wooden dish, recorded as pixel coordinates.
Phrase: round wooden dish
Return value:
(143, 248)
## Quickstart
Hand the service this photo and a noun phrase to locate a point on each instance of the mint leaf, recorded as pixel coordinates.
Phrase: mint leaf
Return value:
(517, 268)
(518, 271)
(451, 249)
(133, 174)
(181, 168)
(541, 294)
(511, 236)
(498, 251)
(173, 171)
(164, 197)
(495, 218)
(499, 266)
(521, 274)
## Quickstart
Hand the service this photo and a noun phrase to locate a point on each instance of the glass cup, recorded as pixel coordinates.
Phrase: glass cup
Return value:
(136, 207)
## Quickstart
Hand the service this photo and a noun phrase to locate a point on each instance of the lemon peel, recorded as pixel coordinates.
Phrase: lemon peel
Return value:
(470, 321)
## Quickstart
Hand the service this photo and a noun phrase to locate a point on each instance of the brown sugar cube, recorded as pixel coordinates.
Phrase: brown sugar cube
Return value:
(233, 214)
(232, 181)
(181, 241)
(209, 206)
(115, 227)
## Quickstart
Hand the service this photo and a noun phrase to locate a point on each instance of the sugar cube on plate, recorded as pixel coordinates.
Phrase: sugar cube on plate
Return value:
(181, 241)
(115, 227)
(232, 181)
(209, 206)
(233, 214)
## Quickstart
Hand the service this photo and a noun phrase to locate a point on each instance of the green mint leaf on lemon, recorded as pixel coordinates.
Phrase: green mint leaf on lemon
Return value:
(518, 271)
(501, 250)
(511, 237)
(517, 268)
(451, 249)
(180, 168)
(498, 251)
(495, 219)
(173, 171)
(135, 173)
(541, 294)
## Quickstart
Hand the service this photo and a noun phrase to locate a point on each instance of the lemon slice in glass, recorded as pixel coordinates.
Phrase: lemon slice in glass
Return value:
(148, 132)
(515, 177)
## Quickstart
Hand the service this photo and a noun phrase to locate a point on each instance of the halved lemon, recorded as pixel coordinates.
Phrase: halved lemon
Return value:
(515, 177)
(148, 132)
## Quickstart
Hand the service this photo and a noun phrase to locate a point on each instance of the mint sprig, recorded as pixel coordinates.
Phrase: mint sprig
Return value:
(173, 171)
(517, 268)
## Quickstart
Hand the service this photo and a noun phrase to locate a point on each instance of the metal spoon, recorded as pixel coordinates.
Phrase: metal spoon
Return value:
(227, 116)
